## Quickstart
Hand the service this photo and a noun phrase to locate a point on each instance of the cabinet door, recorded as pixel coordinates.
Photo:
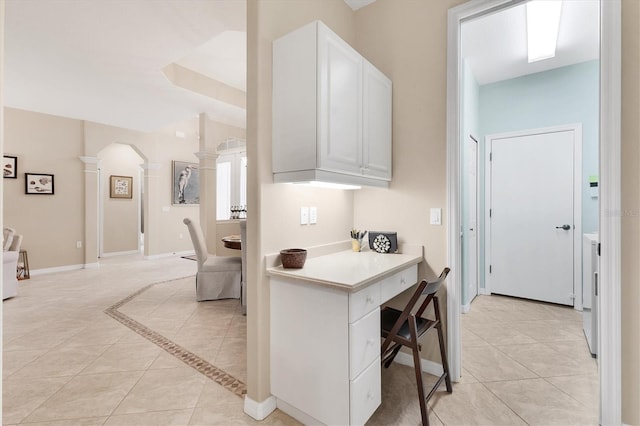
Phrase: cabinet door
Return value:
(339, 104)
(376, 141)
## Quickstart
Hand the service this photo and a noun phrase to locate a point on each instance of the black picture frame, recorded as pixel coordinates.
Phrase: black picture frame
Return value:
(38, 184)
(10, 167)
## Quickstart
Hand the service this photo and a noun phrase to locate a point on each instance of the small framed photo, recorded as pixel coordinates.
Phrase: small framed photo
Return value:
(121, 187)
(38, 183)
(10, 167)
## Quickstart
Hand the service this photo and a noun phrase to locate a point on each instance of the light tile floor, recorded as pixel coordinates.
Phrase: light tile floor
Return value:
(69, 359)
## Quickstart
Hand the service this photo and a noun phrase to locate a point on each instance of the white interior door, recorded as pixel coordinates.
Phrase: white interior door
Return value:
(531, 216)
(472, 259)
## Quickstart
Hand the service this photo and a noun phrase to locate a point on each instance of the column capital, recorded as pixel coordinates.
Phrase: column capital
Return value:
(206, 155)
(90, 160)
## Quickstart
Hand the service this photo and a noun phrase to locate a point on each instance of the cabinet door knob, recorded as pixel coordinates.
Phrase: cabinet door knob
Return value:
(369, 395)
(370, 342)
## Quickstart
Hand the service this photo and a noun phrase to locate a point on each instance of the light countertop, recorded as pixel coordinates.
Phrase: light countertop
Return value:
(347, 270)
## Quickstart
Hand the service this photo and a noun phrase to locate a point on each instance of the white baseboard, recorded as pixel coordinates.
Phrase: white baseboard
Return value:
(120, 253)
(484, 292)
(259, 410)
(65, 268)
(92, 265)
(465, 308)
(172, 254)
(427, 365)
(300, 416)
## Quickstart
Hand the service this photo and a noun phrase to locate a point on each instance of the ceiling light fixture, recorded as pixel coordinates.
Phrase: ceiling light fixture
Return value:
(543, 21)
(330, 185)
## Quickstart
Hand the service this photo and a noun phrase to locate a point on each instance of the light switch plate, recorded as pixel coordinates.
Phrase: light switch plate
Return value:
(436, 216)
(313, 215)
(304, 215)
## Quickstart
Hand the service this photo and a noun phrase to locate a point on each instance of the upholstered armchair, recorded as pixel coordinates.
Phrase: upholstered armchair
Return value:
(218, 277)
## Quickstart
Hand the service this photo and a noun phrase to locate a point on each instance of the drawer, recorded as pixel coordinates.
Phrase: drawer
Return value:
(365, 394)
(363, 302)
(397, 283)
(364, 342)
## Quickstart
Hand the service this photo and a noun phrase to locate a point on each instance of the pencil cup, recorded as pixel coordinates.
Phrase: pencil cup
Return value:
(356, 244)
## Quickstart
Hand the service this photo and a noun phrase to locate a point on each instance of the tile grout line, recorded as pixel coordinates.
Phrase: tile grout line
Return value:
(205, 368)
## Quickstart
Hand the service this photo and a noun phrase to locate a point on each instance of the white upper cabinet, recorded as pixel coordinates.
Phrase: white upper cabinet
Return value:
(331, 111)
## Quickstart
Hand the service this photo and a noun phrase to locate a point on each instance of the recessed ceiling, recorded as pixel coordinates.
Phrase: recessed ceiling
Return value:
(102, 60)
(495, 46)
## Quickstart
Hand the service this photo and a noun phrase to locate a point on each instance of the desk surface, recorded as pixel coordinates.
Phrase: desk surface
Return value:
(347, 270)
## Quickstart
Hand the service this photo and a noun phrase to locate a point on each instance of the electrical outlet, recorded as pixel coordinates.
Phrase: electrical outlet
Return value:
(181, 236)
(78, 244)
(313, 215)
(304, 215)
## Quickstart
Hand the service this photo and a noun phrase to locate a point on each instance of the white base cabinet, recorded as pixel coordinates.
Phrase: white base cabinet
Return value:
(325, 347)
(331, 111)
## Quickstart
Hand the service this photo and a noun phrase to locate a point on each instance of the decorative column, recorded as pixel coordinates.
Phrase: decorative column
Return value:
(91, 211)
(151, 186)
(208, 184)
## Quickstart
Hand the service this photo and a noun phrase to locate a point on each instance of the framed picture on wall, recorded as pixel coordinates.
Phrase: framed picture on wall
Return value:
(38, 183)
(186, 183)
(10, 167)
(121, 187)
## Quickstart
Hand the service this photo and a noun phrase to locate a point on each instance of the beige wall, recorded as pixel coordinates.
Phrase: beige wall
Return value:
(407, 41)
(120, 215)
(273, 210)
(631, 212)
(51, 224)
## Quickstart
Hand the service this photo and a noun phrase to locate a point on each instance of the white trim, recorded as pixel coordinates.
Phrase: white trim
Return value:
(455, 16)
(120, 253)
(609, 321)
(610, 232)
(55, 269)
(92, 265)
(297, 414)
(484, 292)
(427, 366)
(172, 254)
(466, 308)
(259, 410)
(576, 128)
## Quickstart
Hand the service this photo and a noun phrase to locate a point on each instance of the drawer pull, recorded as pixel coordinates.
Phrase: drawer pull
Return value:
(370, 299)
(369, 395)
(370, 342)
(402, 280)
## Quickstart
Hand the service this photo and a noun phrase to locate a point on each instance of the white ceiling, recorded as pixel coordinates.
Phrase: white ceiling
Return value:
(102, 60)
(495, 46)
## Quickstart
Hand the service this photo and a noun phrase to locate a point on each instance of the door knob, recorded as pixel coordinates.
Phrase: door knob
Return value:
(565, 227)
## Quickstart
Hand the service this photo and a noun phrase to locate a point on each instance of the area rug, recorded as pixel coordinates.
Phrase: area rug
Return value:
(194, 361)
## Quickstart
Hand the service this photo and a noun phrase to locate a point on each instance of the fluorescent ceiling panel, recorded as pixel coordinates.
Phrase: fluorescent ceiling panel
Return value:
(543, 21)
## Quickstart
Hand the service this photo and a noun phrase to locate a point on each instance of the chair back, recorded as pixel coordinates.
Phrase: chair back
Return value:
(197, 238)
(7, 237)
(16, 243)
(430, 290)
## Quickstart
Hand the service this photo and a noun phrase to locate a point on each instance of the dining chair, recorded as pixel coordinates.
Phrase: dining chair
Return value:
(404, 328)
(218, 277)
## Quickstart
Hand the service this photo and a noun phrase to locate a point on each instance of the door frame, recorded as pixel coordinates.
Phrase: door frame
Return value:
(576, 128)
(609, 346)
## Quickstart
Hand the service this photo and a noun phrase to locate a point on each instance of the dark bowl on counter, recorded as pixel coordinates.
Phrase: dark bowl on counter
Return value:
(293, 258)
